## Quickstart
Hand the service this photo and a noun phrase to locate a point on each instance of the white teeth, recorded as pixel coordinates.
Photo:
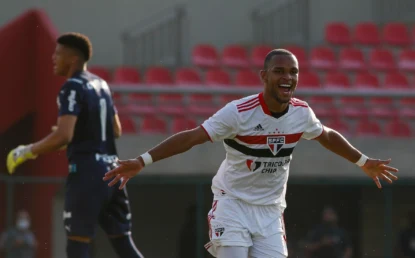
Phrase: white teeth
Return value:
(285, 85)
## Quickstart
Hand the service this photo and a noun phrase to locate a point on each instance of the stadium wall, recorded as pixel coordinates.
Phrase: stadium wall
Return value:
(104, 20)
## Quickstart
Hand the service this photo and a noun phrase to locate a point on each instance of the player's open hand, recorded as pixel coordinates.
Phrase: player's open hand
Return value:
(379, 169)
(126, 170)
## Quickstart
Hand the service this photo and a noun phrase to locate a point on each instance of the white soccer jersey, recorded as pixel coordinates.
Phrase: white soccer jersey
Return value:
(258, 148)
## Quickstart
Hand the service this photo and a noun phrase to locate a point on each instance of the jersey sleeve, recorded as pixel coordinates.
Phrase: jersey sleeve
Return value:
(70, 98)
(223, 124)
(314, 127)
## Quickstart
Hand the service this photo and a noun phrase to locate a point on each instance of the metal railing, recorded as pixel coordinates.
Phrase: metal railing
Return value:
(393, 11)
(280, 22)
(156, 40)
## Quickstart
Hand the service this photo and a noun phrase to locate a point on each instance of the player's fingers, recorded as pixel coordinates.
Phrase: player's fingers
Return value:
(123, 182)
(115, 180)
(377, 182)
(390, 175)
(385, 178)
(389, 168)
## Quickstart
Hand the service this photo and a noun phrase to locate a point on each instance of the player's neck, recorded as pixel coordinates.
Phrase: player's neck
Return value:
(273, 105)
(76, 69)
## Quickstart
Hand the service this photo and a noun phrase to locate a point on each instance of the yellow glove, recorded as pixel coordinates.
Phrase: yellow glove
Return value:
(18, 156)
(54, 128)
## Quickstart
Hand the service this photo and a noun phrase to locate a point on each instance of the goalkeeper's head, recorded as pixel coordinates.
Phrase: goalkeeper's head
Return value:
(73, 51)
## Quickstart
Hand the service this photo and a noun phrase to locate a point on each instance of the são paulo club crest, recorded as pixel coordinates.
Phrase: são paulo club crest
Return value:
(275, 143)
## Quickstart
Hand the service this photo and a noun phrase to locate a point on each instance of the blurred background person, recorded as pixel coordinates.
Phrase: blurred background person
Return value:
(328, 240)
(19, 241)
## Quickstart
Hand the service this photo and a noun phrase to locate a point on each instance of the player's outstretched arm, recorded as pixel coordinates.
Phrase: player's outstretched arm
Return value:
(374, 168)
(176, 144)
(61, 135)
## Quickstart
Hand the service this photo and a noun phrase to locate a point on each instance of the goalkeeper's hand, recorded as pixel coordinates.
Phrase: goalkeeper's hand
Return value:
(17, 156)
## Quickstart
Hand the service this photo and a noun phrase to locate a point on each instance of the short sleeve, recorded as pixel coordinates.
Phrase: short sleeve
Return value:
(70, 98)
(223, 124)
(314, 127)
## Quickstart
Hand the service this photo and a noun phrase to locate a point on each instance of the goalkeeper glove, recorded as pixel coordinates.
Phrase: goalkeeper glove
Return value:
(19, 155)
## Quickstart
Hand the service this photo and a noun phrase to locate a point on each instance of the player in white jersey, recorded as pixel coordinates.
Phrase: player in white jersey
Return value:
(259, 134)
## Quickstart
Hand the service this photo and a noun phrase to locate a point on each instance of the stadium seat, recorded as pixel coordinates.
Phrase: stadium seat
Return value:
(323, 107)
(336, 80)
(126, 75)
(158, 76)
(309, 79)
(407, 107)
(187, 76)
(339, 126)
(396, 128)
(217, 77)
(301, 55)
(205, 56)
(396, 80)
(234, 56)
(366, 80)
(153, 125)
(258, 55)
(366, 33)
(337, 33)
(368, 128)
(351, 59)
(406, 60)
(127, 124)
(182, 123)
(382, 107)
(381, 60)
(102, 72)
(247, 78)
(322, 58)
(396, 34)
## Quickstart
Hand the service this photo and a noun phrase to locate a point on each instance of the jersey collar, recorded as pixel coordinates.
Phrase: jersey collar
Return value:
(263, 105)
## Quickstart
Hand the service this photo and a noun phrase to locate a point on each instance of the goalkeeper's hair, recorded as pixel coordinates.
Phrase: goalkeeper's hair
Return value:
(78, 42)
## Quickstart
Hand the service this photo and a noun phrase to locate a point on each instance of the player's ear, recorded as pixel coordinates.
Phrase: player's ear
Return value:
(263, 75)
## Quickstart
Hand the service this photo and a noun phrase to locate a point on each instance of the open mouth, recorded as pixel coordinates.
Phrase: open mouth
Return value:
(285, 88)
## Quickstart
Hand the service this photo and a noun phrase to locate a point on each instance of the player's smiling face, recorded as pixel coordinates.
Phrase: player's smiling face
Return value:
(61, 60)
(281, 77)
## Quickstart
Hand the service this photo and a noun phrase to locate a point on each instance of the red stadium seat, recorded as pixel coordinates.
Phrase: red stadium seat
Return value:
(126, 75)
(339, 126)
(153, 125)
(187, 76)
(217, 77)
(235, 56)
(367, 33)
(407, 107)
(181, 124)
(127, 125)
(396, 80)
(322, 58)
(406, 60)
(247, 78)
(102, 72)
(382, 107)
(381, 60)
(309, 80)
(367, 128)
(205, 56)
(398, 129)
(366, 80)
(351, 58)
(158, 76)
(336, 80)
(396, 34)
(258, 55)
(301, 55)
(338, 33)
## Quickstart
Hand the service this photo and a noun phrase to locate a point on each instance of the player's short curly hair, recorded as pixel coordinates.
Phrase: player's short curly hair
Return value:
(276, 52)
(78, 42)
